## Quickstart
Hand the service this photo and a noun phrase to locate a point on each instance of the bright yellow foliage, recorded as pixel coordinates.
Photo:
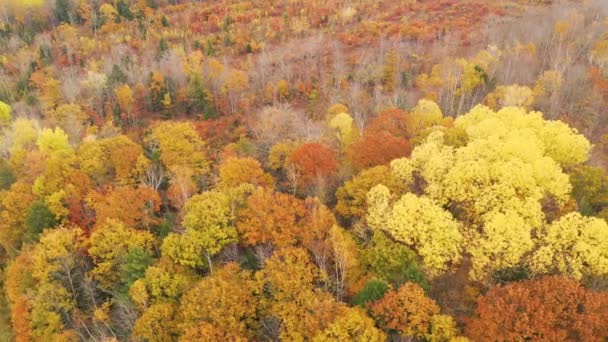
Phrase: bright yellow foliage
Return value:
(420, 223)
(574, 245)
(425, 114)
(5, 114)
(209, 227)
(50, 141)
(502, 243)
(497, 181)
(342, 127)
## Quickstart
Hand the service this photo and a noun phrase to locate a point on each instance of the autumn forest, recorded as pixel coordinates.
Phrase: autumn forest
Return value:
(303, 170)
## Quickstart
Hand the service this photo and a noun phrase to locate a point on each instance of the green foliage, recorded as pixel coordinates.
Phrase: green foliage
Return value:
(63, 11)
(123, 10)
(116, 77)
(135, 264)
(374, 289)
(589, 188)
(163, 46)
(39, 218)
(209, 49)
(7, 177)
(393, 262)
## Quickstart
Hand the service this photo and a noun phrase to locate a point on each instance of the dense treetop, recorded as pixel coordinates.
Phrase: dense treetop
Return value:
(307, 171)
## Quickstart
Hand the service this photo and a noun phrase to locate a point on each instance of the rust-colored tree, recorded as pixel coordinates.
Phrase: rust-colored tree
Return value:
(549, 309)
(315, 163)
(377, 149)
(407, 311)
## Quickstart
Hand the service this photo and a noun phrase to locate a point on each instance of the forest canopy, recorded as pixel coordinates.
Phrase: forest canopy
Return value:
(303, 171)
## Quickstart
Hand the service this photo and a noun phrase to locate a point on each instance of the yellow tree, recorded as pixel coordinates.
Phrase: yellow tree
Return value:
(116, 157)
(574, 245)
(418, 222)
(343, 130)
(70, 118)
(178, 144)
(304, 311)
(124, 96)
(236, 171)
(496, 182)
(5, 114)
(15, 206)
(158, 323)
(108, 247)
(55, 263)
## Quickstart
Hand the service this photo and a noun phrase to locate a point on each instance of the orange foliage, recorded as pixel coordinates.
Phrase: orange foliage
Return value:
(377, 149)
(549, 309)
(314, 161)
(133, 206)
(236, 171)
(393, 121)
(407, 310)
(283, 220)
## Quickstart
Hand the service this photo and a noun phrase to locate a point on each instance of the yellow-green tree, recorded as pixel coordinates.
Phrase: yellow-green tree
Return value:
(343, 130)
(352, 325)
(178, 144)
(108, 247)
(209, 227)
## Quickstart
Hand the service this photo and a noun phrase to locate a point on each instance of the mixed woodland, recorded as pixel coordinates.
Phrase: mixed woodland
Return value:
(303, 170)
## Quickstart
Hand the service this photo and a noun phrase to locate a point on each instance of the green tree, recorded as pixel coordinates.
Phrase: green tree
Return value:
(373, 290)
(392, 262)
(38, 219)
